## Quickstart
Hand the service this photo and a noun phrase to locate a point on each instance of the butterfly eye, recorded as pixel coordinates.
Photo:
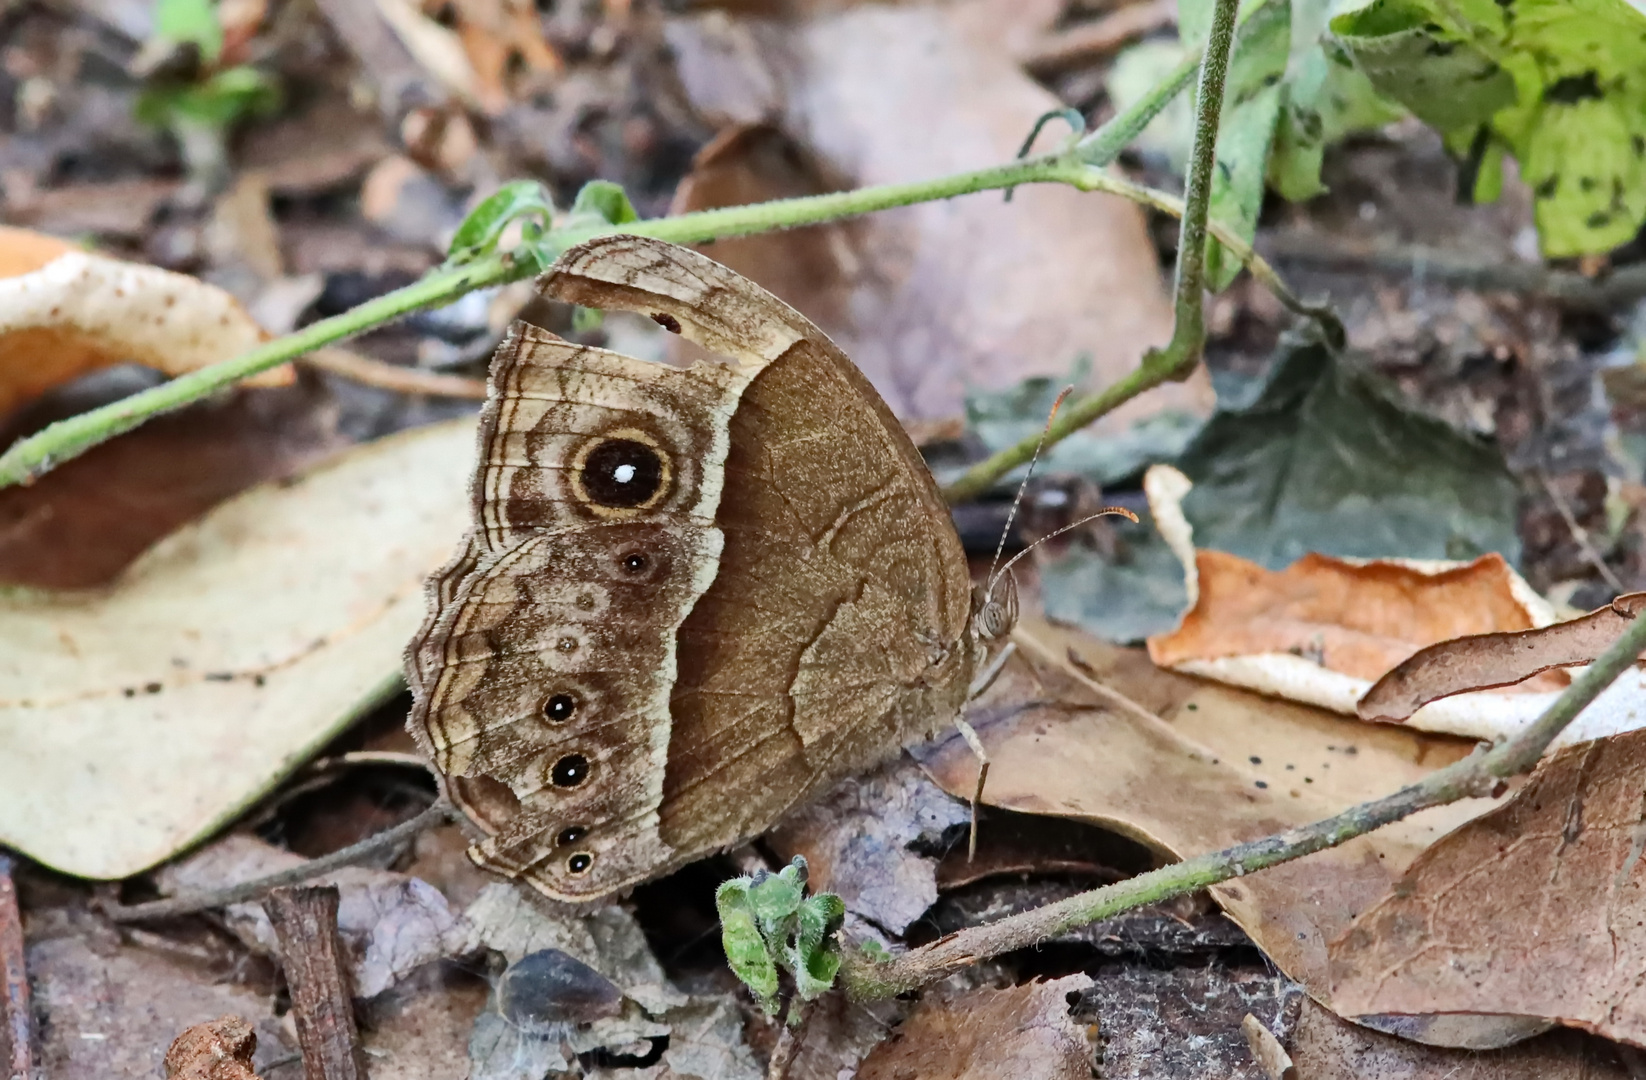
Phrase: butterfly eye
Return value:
(635, 562)
(622, 473)
(559, 708)
(580, 863)
(570, 771)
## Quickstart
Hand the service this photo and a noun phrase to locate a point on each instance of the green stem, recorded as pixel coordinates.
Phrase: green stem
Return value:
(1480, 774)
(1182, 354)
(29, 458)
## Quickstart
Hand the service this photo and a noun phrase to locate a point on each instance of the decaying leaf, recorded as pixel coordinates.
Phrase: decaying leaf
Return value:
(1022, 1031)
(141, 716)
(1535, 910)
(1266, 1050)
(64, 312)
(857, 842)
(389, 924)
(1484, 661)
(1211, 766)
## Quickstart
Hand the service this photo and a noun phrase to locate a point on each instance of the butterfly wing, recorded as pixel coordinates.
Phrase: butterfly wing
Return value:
(813, 621)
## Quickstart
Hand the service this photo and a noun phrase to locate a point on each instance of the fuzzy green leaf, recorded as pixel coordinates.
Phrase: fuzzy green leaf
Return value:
(480, 232)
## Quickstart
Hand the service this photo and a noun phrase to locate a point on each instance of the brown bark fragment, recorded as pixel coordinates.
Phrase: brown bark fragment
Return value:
(305, 921)
(16, 1028)
(219, 1049)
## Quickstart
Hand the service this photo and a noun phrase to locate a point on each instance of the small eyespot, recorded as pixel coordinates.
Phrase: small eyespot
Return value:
(570, 771)
(566, 644)
(559, 708)
(580, 863)
(635, 562)
(570, 836)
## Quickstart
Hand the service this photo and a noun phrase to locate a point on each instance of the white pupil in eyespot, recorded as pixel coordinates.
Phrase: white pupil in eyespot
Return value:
(623, 474)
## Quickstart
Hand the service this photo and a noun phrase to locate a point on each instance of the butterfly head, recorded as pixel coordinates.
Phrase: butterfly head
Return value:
(994, 609)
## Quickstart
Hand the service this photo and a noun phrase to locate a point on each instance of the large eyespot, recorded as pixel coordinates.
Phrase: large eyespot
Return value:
(559, 708)
(570, 836)
(621, 470)
(580, 863)
(570, 771)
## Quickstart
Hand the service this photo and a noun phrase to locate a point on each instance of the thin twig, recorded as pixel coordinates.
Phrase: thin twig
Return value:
(17, 1034)
(387, 840)
(305, 922)
(368, 371)
(1480, 774)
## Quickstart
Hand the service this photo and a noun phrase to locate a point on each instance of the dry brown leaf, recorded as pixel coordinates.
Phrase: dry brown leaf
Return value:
(1214, 766)
(1485, 661)
(504, 42)
(1024, 1032)
(936, 299)
(1537, 909)
(84, 522)
(64, 312)
(219, 1049)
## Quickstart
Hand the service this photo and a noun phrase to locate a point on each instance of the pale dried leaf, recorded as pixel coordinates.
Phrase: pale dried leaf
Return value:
(1024, 1032)
(1486, 661)
(142, 716)
(64, 312)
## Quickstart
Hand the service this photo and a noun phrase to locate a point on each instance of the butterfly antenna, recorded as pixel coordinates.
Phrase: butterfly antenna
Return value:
(1017, 500)
(1117, 511)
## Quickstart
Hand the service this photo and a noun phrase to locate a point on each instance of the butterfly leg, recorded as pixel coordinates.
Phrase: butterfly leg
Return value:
(969, 733)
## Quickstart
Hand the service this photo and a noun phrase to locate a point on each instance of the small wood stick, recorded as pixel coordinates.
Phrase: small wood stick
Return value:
(969, 733)
(305, 921)
(17, 1035)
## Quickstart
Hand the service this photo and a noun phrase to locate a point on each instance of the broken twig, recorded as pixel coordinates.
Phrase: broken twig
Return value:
(305, 921)
(17, 1035)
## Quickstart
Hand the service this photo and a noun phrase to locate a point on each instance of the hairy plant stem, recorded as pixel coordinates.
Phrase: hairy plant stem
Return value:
(1482, 773)
(1181, 355)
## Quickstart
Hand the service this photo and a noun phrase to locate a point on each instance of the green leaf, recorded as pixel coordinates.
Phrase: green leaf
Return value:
(1411, 52)
(220, 102)
(1559, 83)
(605, 201)
(1237, 184)
(190, 22)
(480, 232)
(746, 952)
(774, 897)
(1325, 458)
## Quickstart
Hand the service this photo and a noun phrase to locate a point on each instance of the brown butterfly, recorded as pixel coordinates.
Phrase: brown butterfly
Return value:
(693, 597)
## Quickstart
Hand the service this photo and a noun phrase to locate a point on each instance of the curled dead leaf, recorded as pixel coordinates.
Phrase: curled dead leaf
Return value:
(1486, 661)
(64, 312)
